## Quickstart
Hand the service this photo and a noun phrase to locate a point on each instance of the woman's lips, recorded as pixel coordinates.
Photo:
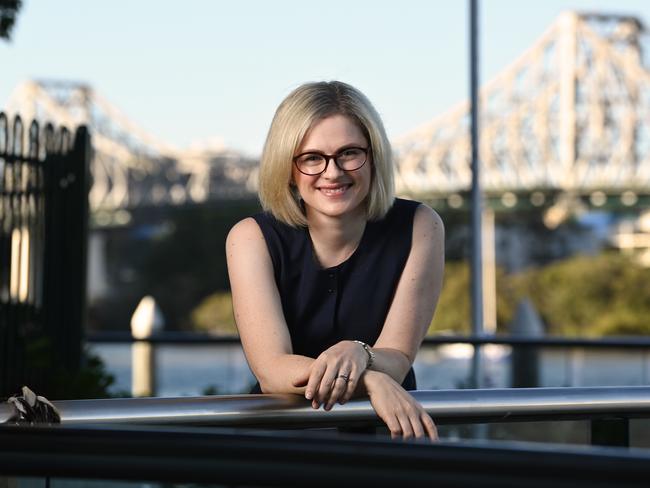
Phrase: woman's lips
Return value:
(334, 190)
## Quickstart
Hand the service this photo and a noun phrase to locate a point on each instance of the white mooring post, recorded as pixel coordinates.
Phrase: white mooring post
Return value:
(146, 320)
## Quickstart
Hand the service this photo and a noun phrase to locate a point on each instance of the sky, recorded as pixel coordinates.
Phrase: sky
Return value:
(200, 71)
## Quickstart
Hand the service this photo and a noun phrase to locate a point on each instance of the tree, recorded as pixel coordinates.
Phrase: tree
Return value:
(8, 13)
(592, 296)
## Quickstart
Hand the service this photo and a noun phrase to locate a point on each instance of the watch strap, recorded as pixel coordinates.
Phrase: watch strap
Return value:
(371, 355)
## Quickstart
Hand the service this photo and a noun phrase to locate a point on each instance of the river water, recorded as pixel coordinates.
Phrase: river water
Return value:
(214, 368)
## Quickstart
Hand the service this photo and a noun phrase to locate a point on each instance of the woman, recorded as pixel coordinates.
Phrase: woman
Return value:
(335, 284)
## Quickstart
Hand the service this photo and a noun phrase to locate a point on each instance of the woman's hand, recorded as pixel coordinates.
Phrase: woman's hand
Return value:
(401, 413)
(334, 375)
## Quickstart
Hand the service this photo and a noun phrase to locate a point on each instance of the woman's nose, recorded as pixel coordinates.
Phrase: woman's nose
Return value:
(332, 170)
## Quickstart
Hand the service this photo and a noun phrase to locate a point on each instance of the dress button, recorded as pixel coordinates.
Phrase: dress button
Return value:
(330, 290)
(331, 275)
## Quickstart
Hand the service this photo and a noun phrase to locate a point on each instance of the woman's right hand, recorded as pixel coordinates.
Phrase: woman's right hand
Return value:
(402, 414)
(334, 374)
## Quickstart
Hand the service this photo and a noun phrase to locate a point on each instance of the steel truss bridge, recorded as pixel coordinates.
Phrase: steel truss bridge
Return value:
(570, 117)
(130, 167)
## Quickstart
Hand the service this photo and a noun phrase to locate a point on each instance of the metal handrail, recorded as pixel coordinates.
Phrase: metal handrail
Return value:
(291, 411)
(171, 337)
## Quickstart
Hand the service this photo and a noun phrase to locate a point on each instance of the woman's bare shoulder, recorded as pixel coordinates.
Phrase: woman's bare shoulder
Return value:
(427, 220)
(243, 230)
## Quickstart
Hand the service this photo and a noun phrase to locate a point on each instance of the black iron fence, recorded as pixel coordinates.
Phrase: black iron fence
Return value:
(44, 182)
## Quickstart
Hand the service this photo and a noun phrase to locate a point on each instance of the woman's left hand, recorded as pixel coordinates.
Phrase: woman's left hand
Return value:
(402, 414)
(334, 375)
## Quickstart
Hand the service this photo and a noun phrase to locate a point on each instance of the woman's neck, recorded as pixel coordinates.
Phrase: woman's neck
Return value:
(334, 239)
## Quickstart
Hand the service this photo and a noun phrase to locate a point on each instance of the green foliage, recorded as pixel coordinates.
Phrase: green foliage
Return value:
(210, 390)
(453, 313)
(214, 314)
(56, 382)
(589, 296)
(90, 381)
(190, 263)
(8, 13)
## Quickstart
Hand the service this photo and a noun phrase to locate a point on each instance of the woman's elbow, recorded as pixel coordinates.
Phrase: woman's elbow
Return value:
(272, 384)
(267, 386)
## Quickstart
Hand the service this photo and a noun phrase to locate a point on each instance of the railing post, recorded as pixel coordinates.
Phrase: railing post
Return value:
(146, 320)
(613, 432)
(527, 324)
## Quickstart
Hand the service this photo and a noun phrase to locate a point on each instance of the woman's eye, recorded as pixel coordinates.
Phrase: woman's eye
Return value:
(312, 158)
(350, 153)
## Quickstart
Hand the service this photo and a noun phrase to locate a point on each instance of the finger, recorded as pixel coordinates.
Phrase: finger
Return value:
(315, 376)
(326, 385)
(430, 426)
(418, 428)
(340, 385)
(405, 424)
(351, 387)
(394, 427)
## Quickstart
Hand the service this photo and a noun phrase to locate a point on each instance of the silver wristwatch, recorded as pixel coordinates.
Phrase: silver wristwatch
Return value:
(371, 355)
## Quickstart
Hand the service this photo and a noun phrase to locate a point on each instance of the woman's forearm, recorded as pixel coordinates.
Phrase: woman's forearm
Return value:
(287, 373)
(392, 362)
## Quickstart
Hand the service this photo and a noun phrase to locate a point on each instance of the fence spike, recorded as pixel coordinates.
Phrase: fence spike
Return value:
(4, 133)
(18, 135)
(34, 139)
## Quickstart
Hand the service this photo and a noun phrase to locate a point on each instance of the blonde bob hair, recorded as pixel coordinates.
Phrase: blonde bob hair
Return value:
(296, 114)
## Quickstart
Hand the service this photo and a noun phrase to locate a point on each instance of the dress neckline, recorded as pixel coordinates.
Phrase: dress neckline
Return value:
(336, 267)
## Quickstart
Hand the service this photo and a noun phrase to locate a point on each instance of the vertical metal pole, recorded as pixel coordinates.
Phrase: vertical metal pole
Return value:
(489, 272)
(477, 204)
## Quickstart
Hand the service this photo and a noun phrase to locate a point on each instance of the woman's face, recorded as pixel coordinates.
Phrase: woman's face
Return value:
(334, 193)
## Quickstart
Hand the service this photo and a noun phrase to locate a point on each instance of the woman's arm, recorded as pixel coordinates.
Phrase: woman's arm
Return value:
(258, 312)
(415, 299)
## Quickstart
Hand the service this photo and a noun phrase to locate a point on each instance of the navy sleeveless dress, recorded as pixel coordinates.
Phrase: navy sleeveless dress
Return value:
(323, 306)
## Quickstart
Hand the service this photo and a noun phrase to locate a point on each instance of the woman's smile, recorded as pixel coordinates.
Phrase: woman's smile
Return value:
(334, 190)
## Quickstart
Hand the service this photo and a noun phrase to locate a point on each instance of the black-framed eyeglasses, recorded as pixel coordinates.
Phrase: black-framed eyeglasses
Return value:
(315, 163)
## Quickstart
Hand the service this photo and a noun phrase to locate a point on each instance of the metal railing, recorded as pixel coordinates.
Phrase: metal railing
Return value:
(172, 337)
(308, 458)
(608, 408)
(509, 361)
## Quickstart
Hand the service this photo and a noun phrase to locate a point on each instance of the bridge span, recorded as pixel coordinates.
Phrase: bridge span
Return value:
(566, 124)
